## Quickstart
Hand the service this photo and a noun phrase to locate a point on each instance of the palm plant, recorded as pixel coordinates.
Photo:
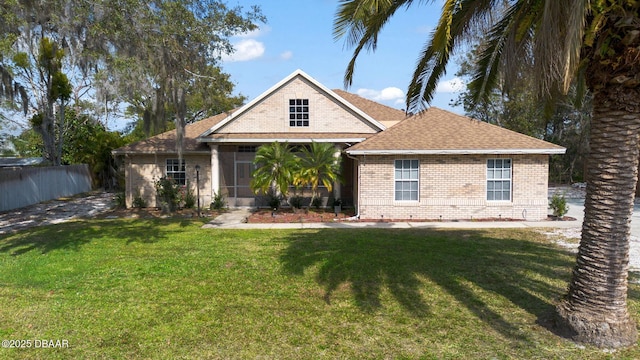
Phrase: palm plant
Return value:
(276, 166)
(318, 164)
(594, 43)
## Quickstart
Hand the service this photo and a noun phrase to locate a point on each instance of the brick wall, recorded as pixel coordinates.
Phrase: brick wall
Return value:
(141, 171)
(453, 187)
(272, 114)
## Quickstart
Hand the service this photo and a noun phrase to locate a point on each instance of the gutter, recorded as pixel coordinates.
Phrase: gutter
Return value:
(461, 152)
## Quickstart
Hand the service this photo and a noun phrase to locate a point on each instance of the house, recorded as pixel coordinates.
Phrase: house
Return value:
(434, 165)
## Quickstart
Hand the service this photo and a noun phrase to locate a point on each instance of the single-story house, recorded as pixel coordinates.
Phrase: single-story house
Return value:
(433, 165)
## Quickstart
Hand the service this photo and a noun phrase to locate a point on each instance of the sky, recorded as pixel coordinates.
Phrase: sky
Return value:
(298, 34)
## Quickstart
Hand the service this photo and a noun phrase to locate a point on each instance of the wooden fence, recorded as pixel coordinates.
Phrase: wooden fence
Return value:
(21, 187)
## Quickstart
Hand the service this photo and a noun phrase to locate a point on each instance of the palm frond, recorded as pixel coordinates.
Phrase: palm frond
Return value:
(458, 19)
(360, 21)
(488, 65)
(558, 42)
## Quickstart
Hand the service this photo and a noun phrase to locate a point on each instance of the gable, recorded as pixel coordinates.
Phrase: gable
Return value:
(324, 112)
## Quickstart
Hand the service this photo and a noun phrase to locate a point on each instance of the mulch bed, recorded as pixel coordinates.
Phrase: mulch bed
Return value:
(296, 216)
(321, 215)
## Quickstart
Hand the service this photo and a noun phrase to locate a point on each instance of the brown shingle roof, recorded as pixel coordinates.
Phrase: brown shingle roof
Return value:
(166, 142)
(439, 131)
(386, 115)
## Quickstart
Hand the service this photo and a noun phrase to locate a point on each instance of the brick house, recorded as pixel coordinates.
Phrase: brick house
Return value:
(435, 165)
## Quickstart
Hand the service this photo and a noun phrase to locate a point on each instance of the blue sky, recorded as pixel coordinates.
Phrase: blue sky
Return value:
(299, 35)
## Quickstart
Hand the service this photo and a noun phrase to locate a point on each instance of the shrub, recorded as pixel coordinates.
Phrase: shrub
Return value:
(138, 202)
(121, 200)
(296, 201)
(189, 197)
(273, 200)
(168, 192)
(218, 202)
(559, 205)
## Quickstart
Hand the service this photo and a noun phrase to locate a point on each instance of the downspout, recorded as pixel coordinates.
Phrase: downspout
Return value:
(357, 215)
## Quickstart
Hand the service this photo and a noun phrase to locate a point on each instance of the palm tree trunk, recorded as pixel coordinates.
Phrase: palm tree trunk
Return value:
(595, 309)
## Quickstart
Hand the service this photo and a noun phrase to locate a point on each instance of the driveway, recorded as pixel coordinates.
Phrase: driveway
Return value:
(576, 210)
(56, 211)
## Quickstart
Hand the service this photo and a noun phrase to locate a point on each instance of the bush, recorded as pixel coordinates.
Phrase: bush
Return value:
(138, 202)
(273, 200)
(559, 205)
(189, 197)
(121, 200)
(218, 202)
(317, 202)
(296, 201)
(169, 194)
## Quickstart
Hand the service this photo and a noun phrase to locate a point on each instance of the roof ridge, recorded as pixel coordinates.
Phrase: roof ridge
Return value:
(338, 91)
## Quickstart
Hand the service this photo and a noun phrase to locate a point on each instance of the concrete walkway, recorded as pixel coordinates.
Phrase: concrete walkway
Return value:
(236, 219)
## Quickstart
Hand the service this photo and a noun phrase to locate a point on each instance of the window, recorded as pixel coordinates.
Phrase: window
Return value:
(176, 172)
(406, 178)
(499, 179)
(247, 148)
(298, 112)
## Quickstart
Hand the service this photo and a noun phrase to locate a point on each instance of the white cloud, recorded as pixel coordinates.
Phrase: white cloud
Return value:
(386, 94)
(245, 50)
(286, 55)
(452, 85)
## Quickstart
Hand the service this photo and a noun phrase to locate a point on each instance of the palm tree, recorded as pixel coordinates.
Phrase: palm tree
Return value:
(595, 43)
(318, 164)
(276, 166)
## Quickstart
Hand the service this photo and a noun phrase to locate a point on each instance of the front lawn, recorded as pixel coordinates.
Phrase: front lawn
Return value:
(166, 289)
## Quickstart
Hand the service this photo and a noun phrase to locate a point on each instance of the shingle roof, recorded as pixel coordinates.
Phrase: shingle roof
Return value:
(434, 131)
(437, 131)
(386, 115)
(166, 142)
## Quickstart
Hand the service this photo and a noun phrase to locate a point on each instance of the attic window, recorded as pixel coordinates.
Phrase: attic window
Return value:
(298, 112)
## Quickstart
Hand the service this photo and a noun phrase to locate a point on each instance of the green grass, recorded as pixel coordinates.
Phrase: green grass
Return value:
(165, 289)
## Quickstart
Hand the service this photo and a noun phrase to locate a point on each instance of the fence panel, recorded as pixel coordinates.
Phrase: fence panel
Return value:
(21, 187)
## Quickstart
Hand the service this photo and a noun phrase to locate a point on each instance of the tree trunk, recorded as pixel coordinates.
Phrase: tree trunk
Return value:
(595, 309)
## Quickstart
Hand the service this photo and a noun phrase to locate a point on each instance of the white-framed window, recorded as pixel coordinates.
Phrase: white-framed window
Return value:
(406, 180)
(176, 171)
(499, 179)
(298, 112)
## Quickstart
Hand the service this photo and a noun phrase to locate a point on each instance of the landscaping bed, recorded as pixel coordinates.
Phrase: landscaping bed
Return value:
(297, 215)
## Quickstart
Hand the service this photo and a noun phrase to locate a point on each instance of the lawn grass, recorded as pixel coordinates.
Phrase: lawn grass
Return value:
(166, 289)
